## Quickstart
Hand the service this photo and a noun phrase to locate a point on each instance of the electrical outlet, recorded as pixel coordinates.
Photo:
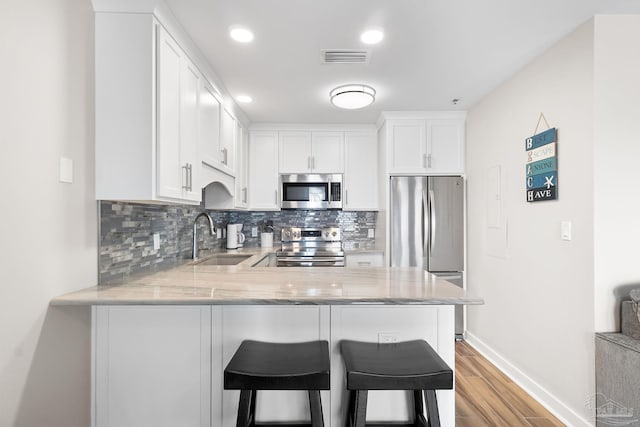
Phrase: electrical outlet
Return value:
(371, 234)
(387, 337)
(156, 241)
(254, 231)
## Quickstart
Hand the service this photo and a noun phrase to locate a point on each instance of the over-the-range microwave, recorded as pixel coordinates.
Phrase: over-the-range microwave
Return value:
(311, 191)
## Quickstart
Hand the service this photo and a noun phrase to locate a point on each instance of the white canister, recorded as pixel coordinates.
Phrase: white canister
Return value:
(232, 236)
(266, 240)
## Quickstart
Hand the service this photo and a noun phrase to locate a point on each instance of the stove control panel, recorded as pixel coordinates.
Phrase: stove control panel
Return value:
(295, 234)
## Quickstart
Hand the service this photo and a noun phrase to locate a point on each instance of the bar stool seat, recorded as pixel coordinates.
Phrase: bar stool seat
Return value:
(410, 365)
(258, 365)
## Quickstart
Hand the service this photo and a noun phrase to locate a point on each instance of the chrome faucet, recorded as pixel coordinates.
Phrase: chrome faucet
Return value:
(212, 227)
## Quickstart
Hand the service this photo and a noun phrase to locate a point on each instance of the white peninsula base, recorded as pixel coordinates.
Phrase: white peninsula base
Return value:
(163, 365)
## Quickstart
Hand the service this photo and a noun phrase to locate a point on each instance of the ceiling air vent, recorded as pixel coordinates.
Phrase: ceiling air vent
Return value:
(345, 56)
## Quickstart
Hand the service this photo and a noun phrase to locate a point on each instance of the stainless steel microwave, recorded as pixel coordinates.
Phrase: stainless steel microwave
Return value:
(311, 191)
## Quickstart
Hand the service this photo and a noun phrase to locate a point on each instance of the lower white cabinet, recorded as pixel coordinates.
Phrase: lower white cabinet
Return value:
(364, 260)
(157, 366)
(152, 366)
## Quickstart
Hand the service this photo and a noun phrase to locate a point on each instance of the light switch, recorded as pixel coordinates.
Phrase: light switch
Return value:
(565, 230)
(254, 231)
(66, 170)
(371, 234)
(156, 241)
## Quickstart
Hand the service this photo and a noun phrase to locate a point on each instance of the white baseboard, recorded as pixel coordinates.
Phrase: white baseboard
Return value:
(535, 390)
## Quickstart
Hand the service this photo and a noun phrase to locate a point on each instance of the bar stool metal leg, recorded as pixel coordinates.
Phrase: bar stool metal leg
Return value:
(420, 420)
(244, 408)
(360, 409)
(315, 407)
(432, 408)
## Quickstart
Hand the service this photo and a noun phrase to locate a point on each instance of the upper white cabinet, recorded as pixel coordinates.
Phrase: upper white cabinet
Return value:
(425, 146)
(177, 138)
(210, 111)
(263, 171)
(147, 112)
(242, 168)
(311, 152)
(228, 138)
(361, 171)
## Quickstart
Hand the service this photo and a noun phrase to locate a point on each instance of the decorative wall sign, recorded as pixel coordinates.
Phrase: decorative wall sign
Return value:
(541, 167)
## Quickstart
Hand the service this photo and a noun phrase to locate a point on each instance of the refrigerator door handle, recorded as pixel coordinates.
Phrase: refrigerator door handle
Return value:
(423, 221)
(432, 222)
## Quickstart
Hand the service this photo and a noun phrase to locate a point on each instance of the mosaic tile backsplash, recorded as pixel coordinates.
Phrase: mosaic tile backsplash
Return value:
(127, 229)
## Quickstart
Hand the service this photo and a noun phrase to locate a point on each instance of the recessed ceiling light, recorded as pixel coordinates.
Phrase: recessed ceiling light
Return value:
(245, 99)
(240, 34)
(372, 36)
(352, 96)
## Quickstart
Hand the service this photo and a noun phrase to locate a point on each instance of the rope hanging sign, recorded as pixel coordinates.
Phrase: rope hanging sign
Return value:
(542, 164)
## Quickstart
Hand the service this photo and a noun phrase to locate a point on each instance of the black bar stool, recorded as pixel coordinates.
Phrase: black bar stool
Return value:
(260, 365)
(410, 365)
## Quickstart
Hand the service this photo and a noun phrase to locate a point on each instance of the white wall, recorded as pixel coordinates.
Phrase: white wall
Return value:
(617, 153)
(48, 236)
(537, 322)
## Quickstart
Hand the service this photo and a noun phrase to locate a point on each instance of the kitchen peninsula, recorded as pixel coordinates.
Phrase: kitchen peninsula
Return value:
(161, 341)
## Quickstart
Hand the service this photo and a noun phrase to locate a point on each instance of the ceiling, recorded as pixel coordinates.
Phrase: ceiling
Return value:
(433, 50)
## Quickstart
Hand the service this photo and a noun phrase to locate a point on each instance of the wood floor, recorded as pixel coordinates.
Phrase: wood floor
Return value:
(485, 397)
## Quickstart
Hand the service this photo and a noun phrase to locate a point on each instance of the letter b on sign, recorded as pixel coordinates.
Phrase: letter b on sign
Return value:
(529, 143)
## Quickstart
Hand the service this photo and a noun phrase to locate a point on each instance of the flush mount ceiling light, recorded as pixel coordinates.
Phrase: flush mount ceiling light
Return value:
(352, 96)
(240, 34)
(245, 99)
(372, 36)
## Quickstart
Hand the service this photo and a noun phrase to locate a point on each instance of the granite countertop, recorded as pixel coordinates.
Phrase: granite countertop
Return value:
(197, 284)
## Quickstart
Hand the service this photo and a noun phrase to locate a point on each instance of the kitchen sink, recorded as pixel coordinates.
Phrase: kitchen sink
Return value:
(222, 259)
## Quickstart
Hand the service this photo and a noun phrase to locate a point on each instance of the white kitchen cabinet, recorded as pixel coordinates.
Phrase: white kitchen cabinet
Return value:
(425, 146)
(177, 139)
(228, 138)
(361, 171)
(311, 152)
(242, 168)
(263, 171)
(146, 112)
(364, 259)
(210, 112)
(152, 366)
(445, 145)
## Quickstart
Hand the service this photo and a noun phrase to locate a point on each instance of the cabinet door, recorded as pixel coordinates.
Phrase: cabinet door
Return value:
(327, 150)
(445, 146)
(361, 171)
(209, 126)
(364, 260)
(407, 146)
(171, 177)
(152, 366)
(263, 171)
(295, 152)
(189, 143)
(228, 142)
(242, 154)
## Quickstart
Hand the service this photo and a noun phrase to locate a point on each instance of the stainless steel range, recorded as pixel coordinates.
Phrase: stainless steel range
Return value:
(311, 247)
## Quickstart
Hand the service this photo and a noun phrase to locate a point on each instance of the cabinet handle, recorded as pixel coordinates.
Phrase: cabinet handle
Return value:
(224, 156)
(275, 199)
(424, 160)
(429, 160)
(309, 162)
(185, 186)
(364, 262)
(244, 195)
(313, 163)
(346, 197)
(190, 177)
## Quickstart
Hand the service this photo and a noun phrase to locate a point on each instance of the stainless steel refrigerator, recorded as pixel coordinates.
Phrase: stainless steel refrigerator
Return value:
(427, 228)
